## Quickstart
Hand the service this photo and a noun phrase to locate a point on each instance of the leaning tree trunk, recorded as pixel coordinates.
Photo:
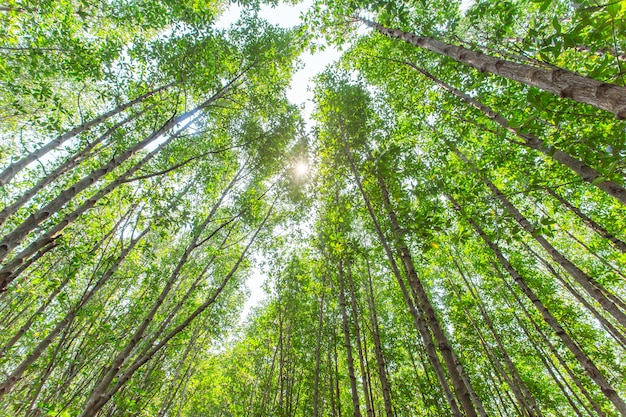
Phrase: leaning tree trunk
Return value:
(454, 367)
(592, 224)
(17, 235)
(68, 164)
(13, 169)
(564, 83)
(418, 317)
(584, 171)
(7, 385)
(101, 394)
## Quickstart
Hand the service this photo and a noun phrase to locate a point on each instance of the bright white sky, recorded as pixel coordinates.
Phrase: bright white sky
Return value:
(286, 15)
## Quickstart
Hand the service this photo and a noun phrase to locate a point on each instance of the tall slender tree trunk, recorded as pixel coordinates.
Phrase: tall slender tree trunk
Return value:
(564, 83)
(9, 172)
(418, 317)
(318, 357)
(514, 381)
(101, 394)
(69, 163)
(546, 359)
(7, 385)
(618, 335)
(455, 369)
(380, 357)
(587, 364)
(359, 345)
(19, 233)
(346, 333)
(113, 369)
(593, 225)
(584, 171)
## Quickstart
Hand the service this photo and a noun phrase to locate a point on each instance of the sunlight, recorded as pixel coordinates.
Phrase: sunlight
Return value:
(301, 168)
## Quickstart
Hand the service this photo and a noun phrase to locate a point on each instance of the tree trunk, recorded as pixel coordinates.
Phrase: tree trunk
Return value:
(9, 172)
(593, 288)
(514, 381)
(584, 171)
(380, 357)
(593, 225)
(16, 374)
(564, 83)
(454, 367)
(60, 170)
(357, 335)
(612, 330)
(346, 333)
(15, 237)
(418, 317)
(544, 357)
(318, 352)
(102, 393)
(112, 371)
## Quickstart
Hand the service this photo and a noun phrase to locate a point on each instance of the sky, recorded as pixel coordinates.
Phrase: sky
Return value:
(287, 15)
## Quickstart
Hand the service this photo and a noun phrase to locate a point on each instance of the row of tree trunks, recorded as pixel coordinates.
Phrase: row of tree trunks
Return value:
(14, 168)
(608, 301)
(418, 317)
(588, 365)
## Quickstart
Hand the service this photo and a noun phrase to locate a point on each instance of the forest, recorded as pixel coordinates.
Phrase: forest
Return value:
(443, 235)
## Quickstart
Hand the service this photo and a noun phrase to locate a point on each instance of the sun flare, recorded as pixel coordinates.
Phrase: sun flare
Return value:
(301, 168)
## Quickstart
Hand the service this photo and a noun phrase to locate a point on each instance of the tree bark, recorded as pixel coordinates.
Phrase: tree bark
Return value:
(380, 357)
(17, 236)
(593, 225)
(60, 170)
(454, 367)
(102, 393)
(357, 335)
(518, 386)
(418, 317)
(584, 171)
(593, 288)
(7, 385)
(564, 83)
(318, 352)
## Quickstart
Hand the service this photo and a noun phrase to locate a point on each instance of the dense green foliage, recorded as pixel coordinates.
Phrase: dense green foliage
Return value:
(455, 247)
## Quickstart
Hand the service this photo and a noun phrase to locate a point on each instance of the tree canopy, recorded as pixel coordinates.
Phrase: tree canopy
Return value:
(445, 236)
